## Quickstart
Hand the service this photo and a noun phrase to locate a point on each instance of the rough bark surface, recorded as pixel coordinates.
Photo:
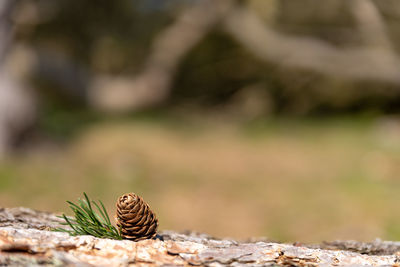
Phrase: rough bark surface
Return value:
(26, 239)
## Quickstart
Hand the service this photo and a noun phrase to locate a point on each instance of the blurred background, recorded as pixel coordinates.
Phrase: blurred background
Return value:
(236, 118)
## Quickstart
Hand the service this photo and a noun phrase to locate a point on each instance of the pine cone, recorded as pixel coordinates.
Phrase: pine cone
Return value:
(134, 218)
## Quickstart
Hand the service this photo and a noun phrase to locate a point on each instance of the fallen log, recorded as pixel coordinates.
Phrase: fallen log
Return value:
(26, 238)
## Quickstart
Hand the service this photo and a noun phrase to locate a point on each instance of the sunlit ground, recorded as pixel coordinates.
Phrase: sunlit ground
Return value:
(289, 180)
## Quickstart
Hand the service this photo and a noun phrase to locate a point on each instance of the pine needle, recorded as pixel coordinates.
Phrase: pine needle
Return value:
(88, 221)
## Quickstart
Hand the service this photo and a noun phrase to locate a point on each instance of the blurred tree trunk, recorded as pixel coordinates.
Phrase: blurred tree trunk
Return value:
(6, 7)
(16, 103)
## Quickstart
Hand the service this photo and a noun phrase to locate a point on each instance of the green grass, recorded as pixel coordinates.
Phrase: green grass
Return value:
(287, 179)
(7, 177)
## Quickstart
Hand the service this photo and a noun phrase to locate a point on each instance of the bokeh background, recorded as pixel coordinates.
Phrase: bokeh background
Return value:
(273, 118)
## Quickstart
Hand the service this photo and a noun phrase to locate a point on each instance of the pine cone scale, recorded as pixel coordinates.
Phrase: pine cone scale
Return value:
(152, 227)
(133, 229)
(142, 220)
(129, 217)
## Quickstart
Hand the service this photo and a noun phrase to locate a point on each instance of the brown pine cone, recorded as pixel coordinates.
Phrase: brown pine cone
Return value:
(134, 218)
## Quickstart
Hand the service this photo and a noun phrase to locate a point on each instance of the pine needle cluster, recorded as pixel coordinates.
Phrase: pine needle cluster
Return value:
(89, 222)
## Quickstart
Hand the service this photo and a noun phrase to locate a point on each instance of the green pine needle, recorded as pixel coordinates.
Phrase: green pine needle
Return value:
(89, 222)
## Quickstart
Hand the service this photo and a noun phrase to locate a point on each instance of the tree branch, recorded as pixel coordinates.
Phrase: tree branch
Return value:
(152, 85)
(361, 63)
